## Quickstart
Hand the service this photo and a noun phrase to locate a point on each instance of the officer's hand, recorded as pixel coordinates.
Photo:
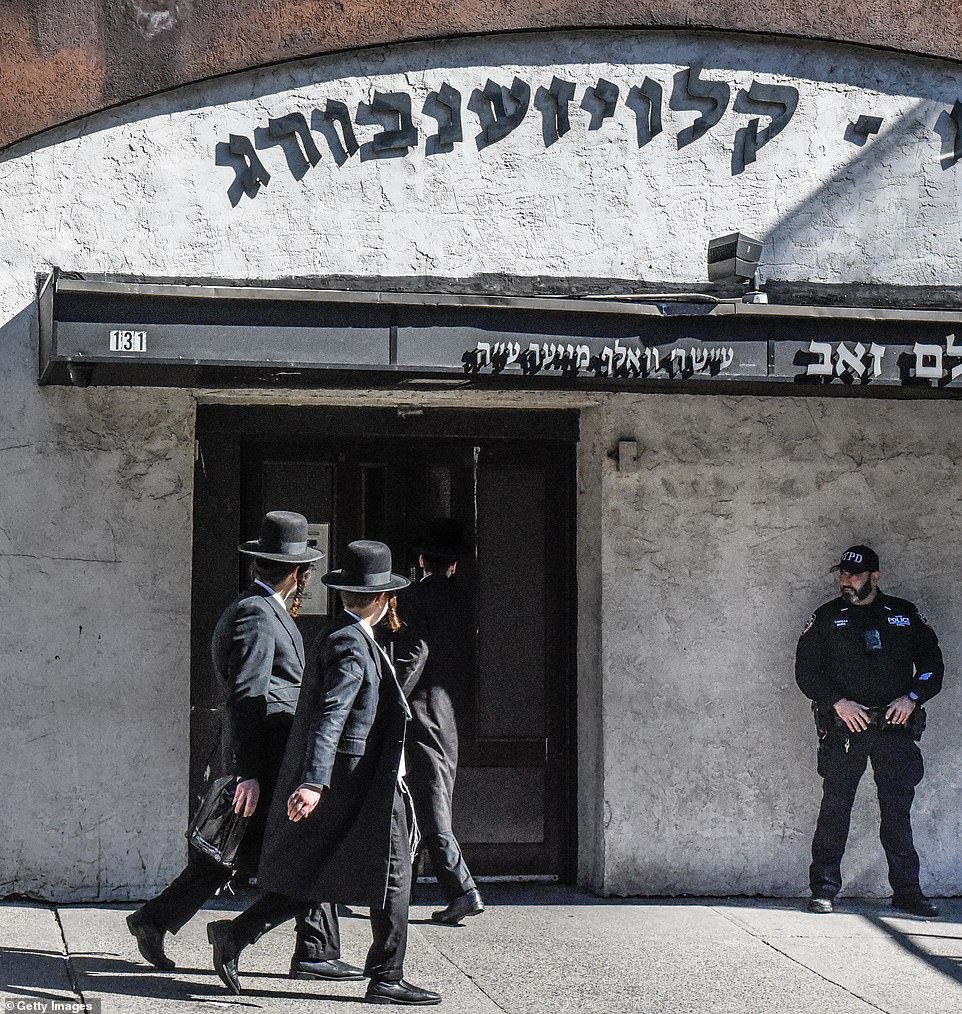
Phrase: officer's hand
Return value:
(246, 796)
(854, 716)
(302, 802)
(899, 710)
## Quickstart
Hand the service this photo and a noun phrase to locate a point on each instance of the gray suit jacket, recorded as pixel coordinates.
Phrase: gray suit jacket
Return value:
(258, 657)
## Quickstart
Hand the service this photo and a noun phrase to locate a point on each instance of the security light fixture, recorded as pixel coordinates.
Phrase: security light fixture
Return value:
(80, 374)
(733, 258)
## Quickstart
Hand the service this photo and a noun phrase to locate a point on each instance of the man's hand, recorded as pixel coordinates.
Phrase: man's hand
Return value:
(899, 710)
(246, 796)
(854, 716)
(302, 802)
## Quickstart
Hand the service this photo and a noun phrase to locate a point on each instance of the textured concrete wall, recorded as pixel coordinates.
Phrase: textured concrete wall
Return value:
(152, 190)
(111, 51)
(95, 540)
(95, 503)
(716, 552)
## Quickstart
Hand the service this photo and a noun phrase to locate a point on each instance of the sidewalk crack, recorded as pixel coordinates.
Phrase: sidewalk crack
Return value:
(474, 982)
(798, 962)
(71, 973)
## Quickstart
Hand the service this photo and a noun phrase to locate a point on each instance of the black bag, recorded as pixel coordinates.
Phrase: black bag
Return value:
(216, 830)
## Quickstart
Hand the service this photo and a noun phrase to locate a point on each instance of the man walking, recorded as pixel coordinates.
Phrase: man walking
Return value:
(868, 661)
(338, 828)
(438, 612)
(258, 657)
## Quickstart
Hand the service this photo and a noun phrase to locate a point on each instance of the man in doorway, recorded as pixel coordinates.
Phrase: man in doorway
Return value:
(868, 661)
(439, 612)
(338, 829)
(258, 658)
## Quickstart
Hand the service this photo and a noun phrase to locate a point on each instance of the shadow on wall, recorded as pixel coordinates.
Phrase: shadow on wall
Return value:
(849, 193)
(18, 354)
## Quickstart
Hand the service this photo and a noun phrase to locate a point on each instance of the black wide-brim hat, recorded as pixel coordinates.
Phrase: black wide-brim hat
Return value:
(283, 539)
(367, 568)
(445, 538)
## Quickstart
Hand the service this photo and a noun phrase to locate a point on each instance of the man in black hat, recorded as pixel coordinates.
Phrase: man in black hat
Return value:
(439, 612)
(338, 828)
(258, 657)
(868, 661)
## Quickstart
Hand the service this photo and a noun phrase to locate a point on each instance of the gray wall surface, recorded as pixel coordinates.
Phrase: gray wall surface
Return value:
(716, 552)
(95, 543)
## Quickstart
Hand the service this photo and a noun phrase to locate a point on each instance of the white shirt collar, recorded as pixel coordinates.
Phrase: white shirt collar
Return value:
(369, 630)
(273, 594)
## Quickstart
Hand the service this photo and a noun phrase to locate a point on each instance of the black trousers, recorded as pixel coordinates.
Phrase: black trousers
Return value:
(897, 768)
(389, 925)
(318, 933)
(431, 770)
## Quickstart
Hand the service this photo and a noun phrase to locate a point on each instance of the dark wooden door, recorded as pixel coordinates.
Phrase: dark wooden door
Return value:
(513, 799)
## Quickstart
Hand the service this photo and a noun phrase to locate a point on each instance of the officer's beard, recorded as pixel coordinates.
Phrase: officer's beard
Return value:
(856, 595)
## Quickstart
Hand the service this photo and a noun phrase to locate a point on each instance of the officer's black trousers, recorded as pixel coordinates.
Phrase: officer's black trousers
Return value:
(897, 768)
(389, 925)
(318, 936)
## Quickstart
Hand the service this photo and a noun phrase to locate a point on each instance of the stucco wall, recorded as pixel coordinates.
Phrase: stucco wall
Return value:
(150, 188)
(95, 539)
(96, 500)
(716, 553)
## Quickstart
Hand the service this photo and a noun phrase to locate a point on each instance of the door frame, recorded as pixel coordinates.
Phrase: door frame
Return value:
(221, 430)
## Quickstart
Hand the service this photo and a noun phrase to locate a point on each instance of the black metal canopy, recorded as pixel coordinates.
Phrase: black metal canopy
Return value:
(108, 332)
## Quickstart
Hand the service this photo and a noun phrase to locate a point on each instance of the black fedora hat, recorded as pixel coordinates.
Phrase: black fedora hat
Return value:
(445, 538)
(367, 568)
(284, 539)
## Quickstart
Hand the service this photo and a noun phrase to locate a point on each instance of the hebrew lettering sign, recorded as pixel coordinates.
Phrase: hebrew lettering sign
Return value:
(494, 109)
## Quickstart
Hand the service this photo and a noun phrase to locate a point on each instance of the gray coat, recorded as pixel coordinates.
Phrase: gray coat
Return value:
(348, 733)
(258, 658)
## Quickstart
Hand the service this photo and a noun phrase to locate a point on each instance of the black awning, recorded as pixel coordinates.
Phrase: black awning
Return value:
(108, 332)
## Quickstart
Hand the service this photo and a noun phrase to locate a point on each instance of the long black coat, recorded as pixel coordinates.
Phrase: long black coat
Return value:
(348, 734)
(438, 612)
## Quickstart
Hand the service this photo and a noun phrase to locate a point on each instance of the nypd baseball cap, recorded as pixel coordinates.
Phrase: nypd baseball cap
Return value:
(857, 560)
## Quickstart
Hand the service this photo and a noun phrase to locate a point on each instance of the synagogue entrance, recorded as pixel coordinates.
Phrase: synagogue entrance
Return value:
(509, 479)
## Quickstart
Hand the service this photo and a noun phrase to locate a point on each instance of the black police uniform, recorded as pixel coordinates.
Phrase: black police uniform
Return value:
(870, 654)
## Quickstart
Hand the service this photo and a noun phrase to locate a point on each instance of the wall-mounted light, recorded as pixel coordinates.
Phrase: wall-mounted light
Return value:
(733, 258)
(80, 374)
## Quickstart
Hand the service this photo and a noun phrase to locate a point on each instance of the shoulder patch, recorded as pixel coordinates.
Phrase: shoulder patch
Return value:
(810, 624)
(922, 616)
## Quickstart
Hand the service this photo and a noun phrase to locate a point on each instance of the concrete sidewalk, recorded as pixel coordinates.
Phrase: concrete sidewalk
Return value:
(535, 949)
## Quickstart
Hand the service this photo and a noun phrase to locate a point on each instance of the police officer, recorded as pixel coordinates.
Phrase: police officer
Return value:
(868, 661)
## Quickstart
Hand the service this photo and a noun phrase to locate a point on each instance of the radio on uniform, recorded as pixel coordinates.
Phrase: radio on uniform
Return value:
(128, 341)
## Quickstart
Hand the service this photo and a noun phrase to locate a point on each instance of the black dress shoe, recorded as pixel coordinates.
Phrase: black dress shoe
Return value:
(150, 940)
(400, 992)
(917, 904)
(820, 904)
(468, 904)
(332, 970)
(226, 952)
